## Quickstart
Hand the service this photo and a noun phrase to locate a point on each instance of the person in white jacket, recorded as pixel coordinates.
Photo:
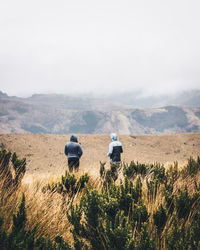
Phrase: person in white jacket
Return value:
(115, 149)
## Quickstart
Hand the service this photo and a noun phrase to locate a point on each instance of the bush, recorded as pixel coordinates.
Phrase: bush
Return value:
(179, 236)
(185, 202)
(20, 238)
(69, 184)
(120, 215)
(160, 218)
(173, 173)
(108, 177)
(192, 167)
(135, 169)
(8, 160)
(110, 220)
(157, 171)
(152, 189)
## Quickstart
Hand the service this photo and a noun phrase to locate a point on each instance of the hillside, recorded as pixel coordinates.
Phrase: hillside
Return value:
(59, 114)
(45, 153)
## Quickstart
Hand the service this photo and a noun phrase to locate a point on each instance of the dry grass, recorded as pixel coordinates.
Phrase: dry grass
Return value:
(46, 163)
(48, 211)
(45, 153)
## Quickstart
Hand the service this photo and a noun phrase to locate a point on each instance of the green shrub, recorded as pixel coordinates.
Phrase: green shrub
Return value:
(7, 161)
(195, 231)
(108, 177)
(20, 238)
(143, 241)
(118, 216)
(178, 237)
(111, 208)
(135, 169)
(140, 214)
(91, 228)
(69, 184)
(160, 218)
(157, 171)
(109, 220)
(173, 173)
(118, 237)
(152, 189)
(185, 202)
(169, 201)
(191, 168)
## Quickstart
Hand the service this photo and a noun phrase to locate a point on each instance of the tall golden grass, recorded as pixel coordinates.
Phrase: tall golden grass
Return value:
(48, 211)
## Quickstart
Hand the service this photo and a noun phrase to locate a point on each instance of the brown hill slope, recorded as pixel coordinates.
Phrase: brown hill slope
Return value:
(45, 153)
(60, 114)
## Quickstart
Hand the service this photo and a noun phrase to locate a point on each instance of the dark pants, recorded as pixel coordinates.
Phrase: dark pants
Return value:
(73, 164)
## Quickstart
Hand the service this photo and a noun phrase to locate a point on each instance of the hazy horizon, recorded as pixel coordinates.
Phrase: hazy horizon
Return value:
(118, 96)
(99, 48)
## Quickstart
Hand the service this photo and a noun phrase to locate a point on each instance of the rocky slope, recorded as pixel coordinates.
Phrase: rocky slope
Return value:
(63, 114)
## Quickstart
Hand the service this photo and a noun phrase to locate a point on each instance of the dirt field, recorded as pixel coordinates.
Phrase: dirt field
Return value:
(45, 153)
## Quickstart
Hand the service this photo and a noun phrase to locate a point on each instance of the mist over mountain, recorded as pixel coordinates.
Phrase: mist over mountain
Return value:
(124, 114)
(138, 99)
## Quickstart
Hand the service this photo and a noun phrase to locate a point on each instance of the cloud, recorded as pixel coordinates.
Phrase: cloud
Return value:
(105, 46)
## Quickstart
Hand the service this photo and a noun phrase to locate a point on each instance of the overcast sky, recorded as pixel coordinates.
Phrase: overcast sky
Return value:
(68, 46)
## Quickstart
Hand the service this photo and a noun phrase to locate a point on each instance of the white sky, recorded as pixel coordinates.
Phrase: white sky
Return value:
(99, 46)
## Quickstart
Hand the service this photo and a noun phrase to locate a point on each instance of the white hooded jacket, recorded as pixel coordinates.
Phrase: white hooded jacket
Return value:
(115, 149)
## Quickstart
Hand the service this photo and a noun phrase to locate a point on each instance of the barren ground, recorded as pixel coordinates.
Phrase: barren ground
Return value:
(45, 152)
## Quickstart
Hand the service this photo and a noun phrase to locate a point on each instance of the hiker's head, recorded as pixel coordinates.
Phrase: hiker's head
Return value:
(73, 138)
(113, 137)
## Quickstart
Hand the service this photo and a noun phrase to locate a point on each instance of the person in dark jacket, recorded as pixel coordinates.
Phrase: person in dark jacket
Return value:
(73, 152)
(115, 149)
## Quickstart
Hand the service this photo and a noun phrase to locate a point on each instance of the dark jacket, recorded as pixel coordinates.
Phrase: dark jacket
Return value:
(73, 148)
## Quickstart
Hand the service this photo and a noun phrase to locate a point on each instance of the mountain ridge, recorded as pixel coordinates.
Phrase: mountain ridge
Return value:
(62, 114)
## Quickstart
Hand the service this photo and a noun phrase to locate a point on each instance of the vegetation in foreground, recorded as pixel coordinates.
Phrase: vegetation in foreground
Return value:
(133, 206)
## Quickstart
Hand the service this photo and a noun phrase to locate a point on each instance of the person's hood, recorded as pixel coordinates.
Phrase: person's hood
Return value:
(73, 138)
(113, 137)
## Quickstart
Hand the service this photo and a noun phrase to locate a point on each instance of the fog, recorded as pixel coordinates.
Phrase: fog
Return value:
(97, 47)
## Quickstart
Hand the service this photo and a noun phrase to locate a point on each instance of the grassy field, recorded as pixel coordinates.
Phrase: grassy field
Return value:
(45, 153)
(46, 208)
